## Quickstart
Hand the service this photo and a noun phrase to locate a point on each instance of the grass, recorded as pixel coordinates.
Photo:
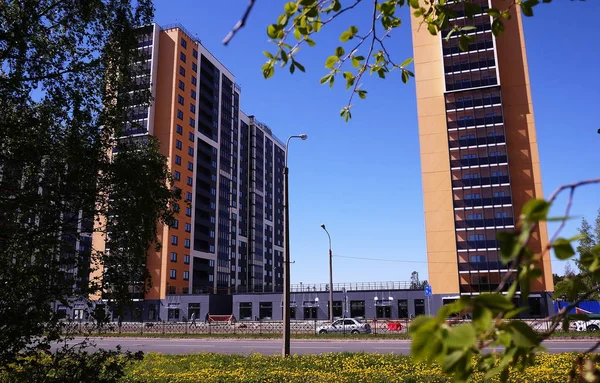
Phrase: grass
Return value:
(331, 367)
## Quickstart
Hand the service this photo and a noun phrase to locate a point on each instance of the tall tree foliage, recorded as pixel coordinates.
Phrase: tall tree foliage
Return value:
(66, 68)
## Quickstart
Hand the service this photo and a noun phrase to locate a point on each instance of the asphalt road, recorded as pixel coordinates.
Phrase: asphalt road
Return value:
(273, 346)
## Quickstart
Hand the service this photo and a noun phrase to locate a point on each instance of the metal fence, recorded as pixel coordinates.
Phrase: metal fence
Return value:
(305, 327)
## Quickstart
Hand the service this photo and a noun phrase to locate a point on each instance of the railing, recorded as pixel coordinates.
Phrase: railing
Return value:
(184, 29)
(489, 201)
(479, 161)
(352, 286)
(477, 141)
(468, 223)
(475, 122)
(480, 181)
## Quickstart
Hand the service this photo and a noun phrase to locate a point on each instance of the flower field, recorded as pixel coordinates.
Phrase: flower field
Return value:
(333, 367)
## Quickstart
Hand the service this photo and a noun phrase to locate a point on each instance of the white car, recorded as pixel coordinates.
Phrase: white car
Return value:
(591, 325)
(344, 326)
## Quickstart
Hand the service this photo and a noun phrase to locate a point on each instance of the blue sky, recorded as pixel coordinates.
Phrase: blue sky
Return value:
(362, 178)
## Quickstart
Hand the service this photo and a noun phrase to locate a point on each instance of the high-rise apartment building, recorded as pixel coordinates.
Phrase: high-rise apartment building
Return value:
(228, 233)
(479, 154)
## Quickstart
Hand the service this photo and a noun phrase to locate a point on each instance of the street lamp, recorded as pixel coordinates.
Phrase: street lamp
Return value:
(330, 275)
(286, 254)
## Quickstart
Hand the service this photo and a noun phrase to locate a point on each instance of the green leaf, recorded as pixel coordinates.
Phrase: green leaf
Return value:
(414, 3)
(282, 20)
(535, 210)
(284, 57)
(310, 42)
(353, 29)
(290, 8)
(406, 62)
(509, 245)
(493, 12)
(362, 94)
(299, 66)
(297, 34)
(272, 31)
(494, 301)
(404, 76)
(497, 27)
(268, 70)
(432, 29)
(339, 51)
(526, 9)
(563, 249)
(326, 78)
(463, 42)
(330, 62)
(451, 360)
(292, 68)
(462, 336)
(345, 36)
(482, 317)
(268, 54)
(523, 334)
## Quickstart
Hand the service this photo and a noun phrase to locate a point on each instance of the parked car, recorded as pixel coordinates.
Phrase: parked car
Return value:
(345, 326)
(591, 325)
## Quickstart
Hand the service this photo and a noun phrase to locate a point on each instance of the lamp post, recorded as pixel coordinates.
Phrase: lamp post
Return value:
(286, 254)
(330, 275)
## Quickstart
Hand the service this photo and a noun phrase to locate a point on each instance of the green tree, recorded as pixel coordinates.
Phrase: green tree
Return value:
(66, 71)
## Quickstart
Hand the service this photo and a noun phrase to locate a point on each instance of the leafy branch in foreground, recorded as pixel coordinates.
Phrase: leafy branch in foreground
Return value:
(454, 344)
(301, 20)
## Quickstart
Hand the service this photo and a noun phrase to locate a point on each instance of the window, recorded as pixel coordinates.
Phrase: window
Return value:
(483, 279)
(188, 227)
(535, 306)
(192, 122)
(245, 310)
(265, 310)
(465, 118)
(193, 94)
(174, 240)
(183, 43)
(181, 85)
(498, 174)
(467, 136)
(195, 67)
(495, 154)
(190, 181)
(402, 308)
(476, 237)
(419, 307)
(501, 214)
(186, 243)
(212, 219)
(493, 134)
(212, 234)
(470, 176)
(192, 108)
(177, 160)
(186, 259)
(499, 194)
(194, 81)
(182, 56)
(477, 258)
(469, 156)
(175, 224)
(180, 100)
(310, 313)
(173, 313)
(194, 53)
(475, 216)
(177, 175)
(211, 277)
(182, 71)
(337, 309)
(190, 168)
(188, 196)
(472, 196)
(214, 164)
(211, 263)
(357, 309)
(173, 257)
(186, 275)
(173, 274)
(190, 151)
(188, 211)
(191, 136)
(178, 144)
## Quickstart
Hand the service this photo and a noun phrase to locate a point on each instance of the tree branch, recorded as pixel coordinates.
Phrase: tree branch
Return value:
(240, 24)
(340, 12)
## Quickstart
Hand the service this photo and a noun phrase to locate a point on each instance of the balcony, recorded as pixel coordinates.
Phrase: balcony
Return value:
(472, 223)
(488, 201)
(495, 160)
(473, 103)
(484, 288)
(466, 182)
(469, 65)
(479, 45)
(464, 142)
(467, 122)
(482, 266)
(472, 245)
(473, 83)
